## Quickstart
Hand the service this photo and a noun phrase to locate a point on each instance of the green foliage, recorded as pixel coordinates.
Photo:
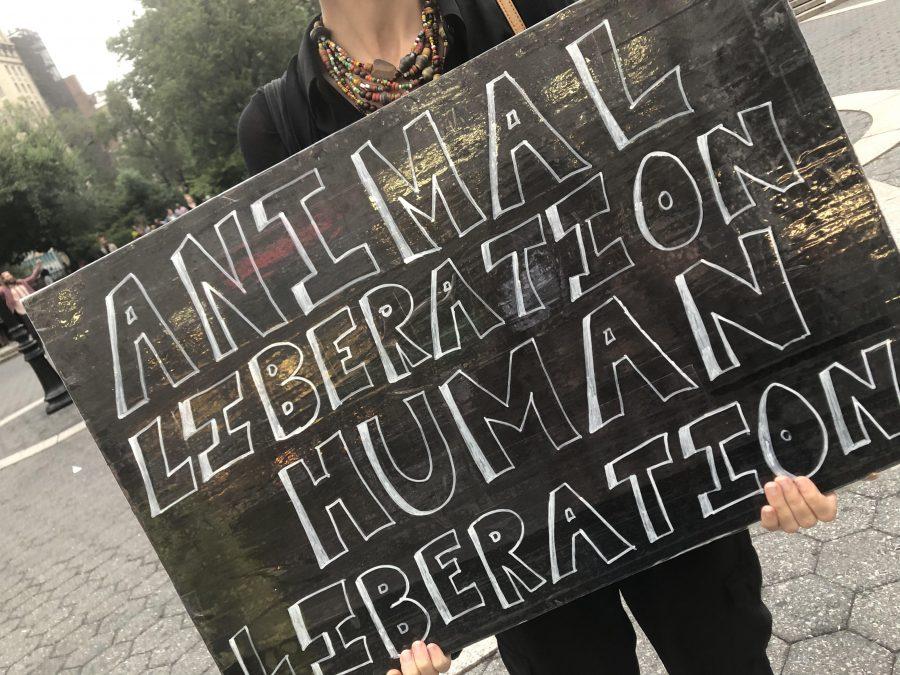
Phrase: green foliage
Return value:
(142, 143)
(80, 135)
(141, 196)
(45, 199)
(195, 65)
(169, 125)
(52, 194)
(137, 200)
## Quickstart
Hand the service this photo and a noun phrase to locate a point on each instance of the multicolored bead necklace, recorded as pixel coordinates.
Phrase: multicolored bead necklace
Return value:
(357, 80)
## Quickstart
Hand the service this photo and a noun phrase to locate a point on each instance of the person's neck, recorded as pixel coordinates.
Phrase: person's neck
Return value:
(373, 29)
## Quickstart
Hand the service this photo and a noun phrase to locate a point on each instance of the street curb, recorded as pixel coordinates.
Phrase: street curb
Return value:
(821, 9)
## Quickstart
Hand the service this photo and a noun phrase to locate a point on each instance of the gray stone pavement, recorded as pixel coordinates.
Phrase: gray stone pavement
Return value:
(857, 50)
(81, 589)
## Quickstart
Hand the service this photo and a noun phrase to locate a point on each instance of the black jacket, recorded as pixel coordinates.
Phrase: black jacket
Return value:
(313, 109)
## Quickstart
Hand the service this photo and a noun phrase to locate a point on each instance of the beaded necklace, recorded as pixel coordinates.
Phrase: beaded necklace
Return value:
(357, 80)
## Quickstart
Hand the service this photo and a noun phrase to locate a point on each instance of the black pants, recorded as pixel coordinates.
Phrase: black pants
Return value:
(702, 611)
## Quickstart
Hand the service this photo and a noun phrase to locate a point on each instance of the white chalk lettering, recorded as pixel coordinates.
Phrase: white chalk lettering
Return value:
(453, 299)
(636, 467)
(570, 519)
(138, 335)
(709, 435)
(508, 247)
(765, 305)
(497, 536)
(387, 187)
(601, 262)
(248, 658)
(529, 389)
(329, 609)
(515, 124)
(202, 417)
(389, 323)
(432, 489)
(613, 337)
(166, 485)
(290, 400)
(760, 155)
(443, 587)
(327, 273)
(599, 65)
(331, 346)
(214, 283)
(852, 397)
(310, 487)
(383, 589)
(801, 433)
(674, 206)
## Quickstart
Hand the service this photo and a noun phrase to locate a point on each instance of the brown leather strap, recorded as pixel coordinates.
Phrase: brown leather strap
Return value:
(512, 15)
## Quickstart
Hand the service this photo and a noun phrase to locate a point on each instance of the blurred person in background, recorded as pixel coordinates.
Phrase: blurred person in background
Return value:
(15, 290)
(106, 246)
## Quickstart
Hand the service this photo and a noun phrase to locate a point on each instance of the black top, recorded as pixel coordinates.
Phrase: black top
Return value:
(315, 109)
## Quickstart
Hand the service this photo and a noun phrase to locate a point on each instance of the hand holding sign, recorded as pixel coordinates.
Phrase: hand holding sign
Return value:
(796, 503)
(422, 660)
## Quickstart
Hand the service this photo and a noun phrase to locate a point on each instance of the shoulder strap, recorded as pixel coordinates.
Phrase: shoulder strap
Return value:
(274, 93)
(512, 15)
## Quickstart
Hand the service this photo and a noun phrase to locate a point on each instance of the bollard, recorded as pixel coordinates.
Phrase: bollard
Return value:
(55, 394)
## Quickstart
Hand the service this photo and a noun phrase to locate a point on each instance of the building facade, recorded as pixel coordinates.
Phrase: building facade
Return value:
(85, 103)
(17, 88)
(37, 61)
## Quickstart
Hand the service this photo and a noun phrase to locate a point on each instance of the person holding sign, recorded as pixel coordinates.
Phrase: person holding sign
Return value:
(703, 610)
(15, 290)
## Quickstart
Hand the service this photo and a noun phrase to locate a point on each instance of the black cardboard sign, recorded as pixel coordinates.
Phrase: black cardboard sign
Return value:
(519, 335)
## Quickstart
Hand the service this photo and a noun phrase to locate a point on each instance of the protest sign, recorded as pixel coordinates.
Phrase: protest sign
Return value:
(535, 327)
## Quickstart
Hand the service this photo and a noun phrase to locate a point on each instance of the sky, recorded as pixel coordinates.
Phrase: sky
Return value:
(75, 32)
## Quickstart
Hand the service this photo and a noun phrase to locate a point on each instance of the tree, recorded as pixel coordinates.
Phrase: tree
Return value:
(137, 199)
(80, 135)
(45, 197)
(142, 144)
(195, 64)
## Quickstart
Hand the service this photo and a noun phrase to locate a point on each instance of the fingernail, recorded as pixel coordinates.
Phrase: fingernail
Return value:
(418, 643)
(405, 655)
(770, 486)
